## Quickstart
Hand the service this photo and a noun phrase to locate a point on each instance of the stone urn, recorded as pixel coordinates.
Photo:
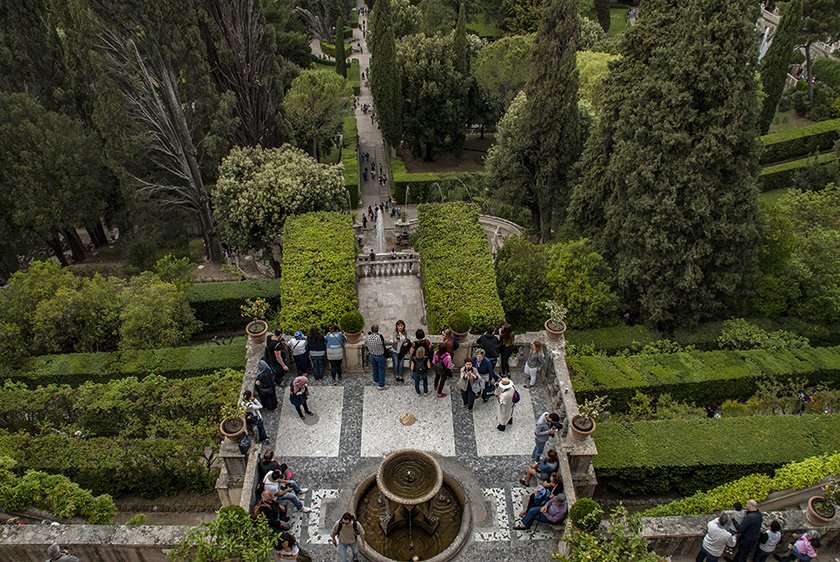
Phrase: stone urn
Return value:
(257, 330)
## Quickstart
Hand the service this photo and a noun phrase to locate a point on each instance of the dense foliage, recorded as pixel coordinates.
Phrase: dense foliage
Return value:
(315, 107)
(216, 305)
(774, 65)
(349, 159)
(319, 270)
(655, 457)
(623, 541)
(800, 141)
(386, 83)
(456, 265)
(700, 376)
(795, 475)
(231, 535)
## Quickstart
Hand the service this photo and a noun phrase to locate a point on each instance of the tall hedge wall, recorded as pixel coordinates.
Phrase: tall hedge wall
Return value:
(350, 159)
(217, 304)
(684, 456)
(456, 265)
(699, 376)
(782, 175)
(354, 74)
(319, 270)
(172, 362)
(800, 141)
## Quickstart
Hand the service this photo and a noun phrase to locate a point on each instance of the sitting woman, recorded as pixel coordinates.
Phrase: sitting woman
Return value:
(543, 469)
(267, 464)
(288, 548)
(805, 548)
(544, 492)
(553, 512)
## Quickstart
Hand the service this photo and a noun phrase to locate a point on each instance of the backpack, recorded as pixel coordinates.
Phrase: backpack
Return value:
(439, 367)
(516, 396)
(337, 527)
(421, 362)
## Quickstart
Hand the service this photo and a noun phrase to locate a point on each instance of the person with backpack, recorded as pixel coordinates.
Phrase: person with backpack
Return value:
(442, 364)
(507, 395)
(253, 418)
(300, 352)
(264, 383)
(335, 340)
(420, 365)
(484, 368)
(276, 356)
(350, 536)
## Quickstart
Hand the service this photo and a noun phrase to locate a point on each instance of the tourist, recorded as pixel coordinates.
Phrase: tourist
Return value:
(317, 347)
(749, 529)
(253, 417)
(442, 364)
(335, 351)
(288, 548)
(768, 541)
(58, 554)
(544, 492)
(534, 364)
(470, 384)
(284, 490)
(400, 346)
(299, 394)
(299, 353)
(546, 426)
(372, 255)
(542, 469)
(716, 540)
(489, 342)
(420, 365)
(553, 512)
(264, 383)
(375, 344)
(370, 209)
(365, 175)
(276, 356)
(506, 348)
(351, 538)
(267, 464)
(484, 368)
(805, 548)
(504, 394)
(451, 341)
(275, 514)
(364, 222)
(420, 340)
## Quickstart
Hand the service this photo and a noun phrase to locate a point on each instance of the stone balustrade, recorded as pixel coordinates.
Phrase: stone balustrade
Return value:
(387, 265)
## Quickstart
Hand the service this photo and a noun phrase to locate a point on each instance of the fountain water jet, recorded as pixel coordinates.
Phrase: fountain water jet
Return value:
(380, 233)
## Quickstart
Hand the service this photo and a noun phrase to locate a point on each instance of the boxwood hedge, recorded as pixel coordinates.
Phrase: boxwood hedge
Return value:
(456, 265)
(349, 159)
(684, 456)
(699, 376)
(800, 141)
(217, 304)
(145, 467)
(172, 362)
(421, 185)
(319, 270)
(782, 175)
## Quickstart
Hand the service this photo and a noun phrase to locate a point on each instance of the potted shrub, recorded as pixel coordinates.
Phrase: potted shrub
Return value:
(255, 309)
(583, 423)
(586, 515)
(232, 425)
(351, 323)
(555, 326)
(460, 324)
(822, 509)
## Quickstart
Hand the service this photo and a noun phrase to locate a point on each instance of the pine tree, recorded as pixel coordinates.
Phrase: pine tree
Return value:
(340, 56)
(384, 75)
(669, 178)
(774, 65)
(553, 116)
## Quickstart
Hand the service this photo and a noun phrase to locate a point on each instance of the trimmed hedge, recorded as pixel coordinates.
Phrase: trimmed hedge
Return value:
(800, 141)
(329, 48)
(217, 304)
(349, 159)
(354, 74)
(666, 456)
(699, 376)
(613, 338)
(796, 475)
(456, 265)
(145, 467)
(171, 362)
(421, 188)
(319, 270)
(782, 175)
(136, 404)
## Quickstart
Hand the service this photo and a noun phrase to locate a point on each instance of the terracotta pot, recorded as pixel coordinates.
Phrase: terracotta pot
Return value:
(554, 335)
(232, 428)
(256, 330)
(353, 337)
(579, 433)
(815, 518)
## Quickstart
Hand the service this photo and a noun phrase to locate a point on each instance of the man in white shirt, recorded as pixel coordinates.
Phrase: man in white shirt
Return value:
(716, 540)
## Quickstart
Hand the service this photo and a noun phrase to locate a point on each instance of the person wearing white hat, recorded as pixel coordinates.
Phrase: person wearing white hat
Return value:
(504, 394)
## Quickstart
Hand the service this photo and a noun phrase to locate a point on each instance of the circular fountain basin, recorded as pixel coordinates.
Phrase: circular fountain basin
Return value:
(409, 477)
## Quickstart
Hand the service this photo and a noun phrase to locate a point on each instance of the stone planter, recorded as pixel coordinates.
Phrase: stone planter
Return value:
(353, 337)
(555, 335)
(581, 428)
(232, 428)
(815, 518)
(256, 330)
(460, 336)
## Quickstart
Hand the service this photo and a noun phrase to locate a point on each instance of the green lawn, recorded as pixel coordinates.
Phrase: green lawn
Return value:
(785, 120)
(618, 20)
(774, 195)
(481, 25)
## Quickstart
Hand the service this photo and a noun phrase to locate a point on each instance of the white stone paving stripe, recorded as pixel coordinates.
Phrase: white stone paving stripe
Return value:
(537, 532)
(297, 438)
(498, 498)
(318, 529)
(517, 439)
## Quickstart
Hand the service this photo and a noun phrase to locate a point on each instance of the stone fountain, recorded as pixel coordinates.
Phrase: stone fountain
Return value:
(411, 510)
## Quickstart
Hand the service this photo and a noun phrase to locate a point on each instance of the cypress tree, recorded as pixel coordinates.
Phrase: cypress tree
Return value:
(669, 179)
(602, 10)
(384, 75)
(553, 115)
(459, 45)
(340, 55)
(774, 65)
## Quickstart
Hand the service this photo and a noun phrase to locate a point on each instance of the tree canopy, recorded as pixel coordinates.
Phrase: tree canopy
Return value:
(315, 107)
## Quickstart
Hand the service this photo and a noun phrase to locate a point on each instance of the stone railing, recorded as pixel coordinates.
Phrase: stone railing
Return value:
(387, 265)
